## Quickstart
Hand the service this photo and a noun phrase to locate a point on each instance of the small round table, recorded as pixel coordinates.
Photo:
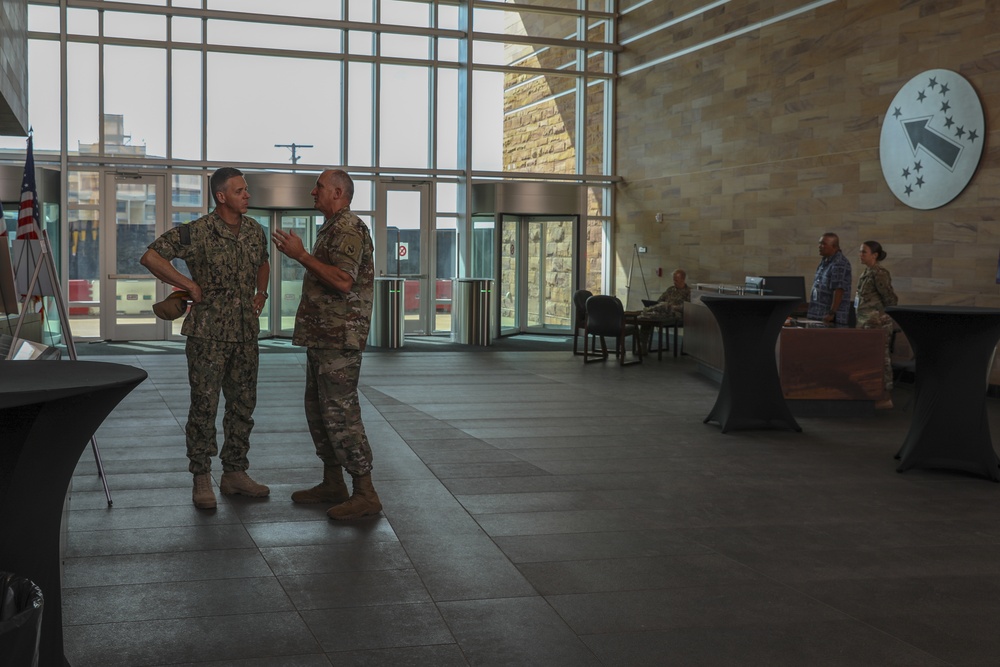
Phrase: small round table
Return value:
(952, 347)
(48, 412)
(750, 396)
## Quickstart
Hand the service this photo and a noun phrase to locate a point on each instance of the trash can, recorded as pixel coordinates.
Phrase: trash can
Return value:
(471, 311)
(20, 621)
(387, 313)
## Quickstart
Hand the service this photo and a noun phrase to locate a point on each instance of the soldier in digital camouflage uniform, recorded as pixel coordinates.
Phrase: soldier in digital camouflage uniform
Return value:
(332, 324)
(226, 254)
(874, 294)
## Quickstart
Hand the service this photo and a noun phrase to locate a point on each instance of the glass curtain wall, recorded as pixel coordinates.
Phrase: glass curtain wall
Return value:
(446, 91)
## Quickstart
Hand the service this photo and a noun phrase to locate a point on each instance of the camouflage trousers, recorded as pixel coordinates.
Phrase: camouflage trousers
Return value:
(232, 368)
(333, 412)
(884, 322)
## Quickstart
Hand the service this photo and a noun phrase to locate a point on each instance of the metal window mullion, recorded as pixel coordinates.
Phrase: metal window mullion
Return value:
(64, 143)
(499, 5)
(432, 114)
(580, 128)
(101, 139)
(170, 89)
(464, 157)
(530, 40)
(204, 97)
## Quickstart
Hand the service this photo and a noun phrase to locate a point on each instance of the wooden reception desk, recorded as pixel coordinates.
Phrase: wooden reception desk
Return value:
(823, 371)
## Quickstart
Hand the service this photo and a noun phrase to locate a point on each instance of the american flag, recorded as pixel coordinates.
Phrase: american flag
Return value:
(27, 218)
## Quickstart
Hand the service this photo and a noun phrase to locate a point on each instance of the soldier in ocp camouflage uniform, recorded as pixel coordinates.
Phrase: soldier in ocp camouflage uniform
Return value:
(332, 322)
(669, 305)
(874, 294)
(226, 254)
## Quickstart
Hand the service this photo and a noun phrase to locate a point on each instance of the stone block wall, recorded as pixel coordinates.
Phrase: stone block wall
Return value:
(760, 130)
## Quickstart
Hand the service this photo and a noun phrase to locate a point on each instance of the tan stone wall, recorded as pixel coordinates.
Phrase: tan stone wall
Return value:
(753, 147)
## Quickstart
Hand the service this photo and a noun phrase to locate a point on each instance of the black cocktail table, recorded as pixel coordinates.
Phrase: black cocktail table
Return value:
(48, 412)
(750, 396)
(952, 347)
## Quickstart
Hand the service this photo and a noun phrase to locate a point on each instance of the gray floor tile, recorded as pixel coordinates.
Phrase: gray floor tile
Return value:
(174, 599)
(187, 640)
(442, 655)
(378, 627)
(826, 644)
(536, 511)
(354, 589)
(515, 631)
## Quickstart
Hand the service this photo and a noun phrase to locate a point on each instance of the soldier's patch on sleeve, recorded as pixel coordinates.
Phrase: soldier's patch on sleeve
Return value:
(349, 246)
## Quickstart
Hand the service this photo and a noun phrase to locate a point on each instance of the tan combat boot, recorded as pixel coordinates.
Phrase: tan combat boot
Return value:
(331, 490)
(203, 495)
(363, 502)
(240, 482)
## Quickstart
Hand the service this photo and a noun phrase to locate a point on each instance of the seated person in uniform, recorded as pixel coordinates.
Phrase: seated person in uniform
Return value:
(669, 306)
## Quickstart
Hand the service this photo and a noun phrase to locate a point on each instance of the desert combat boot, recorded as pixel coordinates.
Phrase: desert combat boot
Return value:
(239, 482)
(331, 490)
(363, 502)
(203, 495)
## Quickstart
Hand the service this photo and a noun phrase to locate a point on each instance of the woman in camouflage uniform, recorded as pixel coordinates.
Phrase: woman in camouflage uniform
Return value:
(874, 294)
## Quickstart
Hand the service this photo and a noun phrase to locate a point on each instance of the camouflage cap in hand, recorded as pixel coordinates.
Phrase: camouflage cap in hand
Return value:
(173, 306)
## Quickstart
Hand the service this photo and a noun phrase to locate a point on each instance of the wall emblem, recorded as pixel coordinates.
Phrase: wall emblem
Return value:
(932, 139)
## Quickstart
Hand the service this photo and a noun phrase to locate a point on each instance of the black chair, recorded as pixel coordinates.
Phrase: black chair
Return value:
(606, 317)
(580, 323)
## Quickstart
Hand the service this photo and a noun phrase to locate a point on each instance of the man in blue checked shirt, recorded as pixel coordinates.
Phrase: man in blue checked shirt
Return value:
(832, 282)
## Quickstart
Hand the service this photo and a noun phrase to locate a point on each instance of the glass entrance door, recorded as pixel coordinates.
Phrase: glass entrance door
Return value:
(510, 262)
(536, 263)
(402, 249)
(286, 274)
(136, 207)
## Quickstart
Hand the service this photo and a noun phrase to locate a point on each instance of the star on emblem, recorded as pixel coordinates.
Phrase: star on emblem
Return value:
(917, 166)
(948, 122)
(933, 82)
(960, 132)
(906, 173)
(945, 106)
(920, 182)
(944, 89)
(921, 96)
(973, 136)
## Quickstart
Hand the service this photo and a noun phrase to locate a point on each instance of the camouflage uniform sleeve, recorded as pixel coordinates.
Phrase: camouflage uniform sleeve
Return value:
(348, 251)
(883, 285)
(264, 240)
(674, 297)
(168, 245)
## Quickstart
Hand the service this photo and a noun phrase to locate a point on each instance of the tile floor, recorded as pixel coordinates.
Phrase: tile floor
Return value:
(537, 512)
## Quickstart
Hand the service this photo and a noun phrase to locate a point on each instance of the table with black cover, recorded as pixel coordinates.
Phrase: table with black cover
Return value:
(750, 396)
(952, 348)
(49, 410)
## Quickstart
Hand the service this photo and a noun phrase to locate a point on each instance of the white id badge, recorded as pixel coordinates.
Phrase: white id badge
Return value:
(857, 301)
